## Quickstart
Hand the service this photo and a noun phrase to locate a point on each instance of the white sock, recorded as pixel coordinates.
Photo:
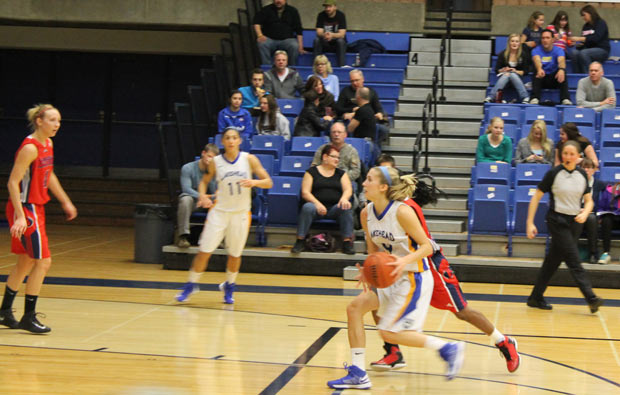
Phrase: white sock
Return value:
(194, 277)
(358, 357)
(497, 336)
(434, 343)
(231, 277)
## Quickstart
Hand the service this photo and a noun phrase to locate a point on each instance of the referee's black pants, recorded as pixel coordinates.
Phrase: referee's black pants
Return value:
(564, 233)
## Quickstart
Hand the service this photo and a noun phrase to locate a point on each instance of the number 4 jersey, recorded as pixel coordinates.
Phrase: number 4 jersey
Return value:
(231, 196)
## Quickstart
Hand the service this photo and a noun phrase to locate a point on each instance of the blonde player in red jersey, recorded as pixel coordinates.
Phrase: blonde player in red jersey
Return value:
(31, 176)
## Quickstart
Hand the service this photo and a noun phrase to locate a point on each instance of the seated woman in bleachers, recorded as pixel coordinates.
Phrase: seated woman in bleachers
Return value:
(594, 45)
(569, 131)
(236, 117)
(271, 121)
(608, 212)
(327, 191)
(310, 123)
(493, 145)
(322, 68)
(326, 99)
(512, 65)
(532, 32)
(536, 147)
(591, 226)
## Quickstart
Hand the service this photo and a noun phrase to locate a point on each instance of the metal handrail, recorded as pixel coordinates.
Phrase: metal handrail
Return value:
(435, 81)
(442, 61)
(449, 30)
(427, 113)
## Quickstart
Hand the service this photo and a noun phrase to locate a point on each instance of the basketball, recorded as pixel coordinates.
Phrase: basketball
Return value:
(376, 270)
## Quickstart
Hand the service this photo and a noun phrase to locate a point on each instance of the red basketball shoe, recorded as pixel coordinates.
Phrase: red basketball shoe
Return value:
(392, 360)
(508, 348)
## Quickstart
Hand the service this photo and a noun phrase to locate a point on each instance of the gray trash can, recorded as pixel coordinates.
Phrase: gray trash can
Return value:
(153, 230)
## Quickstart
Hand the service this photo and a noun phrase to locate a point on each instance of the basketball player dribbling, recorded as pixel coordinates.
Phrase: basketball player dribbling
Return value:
(229, 218)
(31, 177)
(391, 226)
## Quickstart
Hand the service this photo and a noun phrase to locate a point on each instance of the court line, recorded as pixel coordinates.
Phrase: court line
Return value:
(285, 377)
(611, 344)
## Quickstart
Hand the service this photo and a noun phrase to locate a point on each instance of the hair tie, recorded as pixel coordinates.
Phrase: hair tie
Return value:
(386, 174)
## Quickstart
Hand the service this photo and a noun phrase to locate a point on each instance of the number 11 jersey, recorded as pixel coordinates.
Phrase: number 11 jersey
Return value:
(231, 196)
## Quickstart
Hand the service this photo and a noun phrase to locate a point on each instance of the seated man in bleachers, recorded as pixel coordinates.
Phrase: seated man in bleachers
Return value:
(253, 93)
(191, 174)
(550, 69)
(349, 157)
(282, 81)
(331, 28)
(596, 91)
(278, 27)
(364, 124)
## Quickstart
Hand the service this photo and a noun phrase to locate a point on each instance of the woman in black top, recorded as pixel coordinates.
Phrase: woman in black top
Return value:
(326, 98)
(569, 131)
(567, 186)
(594, 45)
(327, 191)
(310, 122)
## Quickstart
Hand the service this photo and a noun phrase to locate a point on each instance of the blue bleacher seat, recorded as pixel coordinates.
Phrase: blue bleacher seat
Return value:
(489, 211)
(510, 114)
(290, 106)
(535, 113)
(294, 165)
(268, 163)
(530, 173)
(307, 146)
(268, 144)
(610, 156)
(386, 60)
(590, 133)
(610, 137)
(362, 148)
(610, 174)
(579, 116)
(283, 200)
(384, 91)
(492, 173)
(610, 118)
(371, 74)
(522, 196)
(396, 42)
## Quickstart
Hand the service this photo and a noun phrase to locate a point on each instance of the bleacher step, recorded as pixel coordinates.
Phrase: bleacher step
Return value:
(445, 225)
(451, 94)
(458, 59)
(456, 15)
(428, 83)
(458, 45)
(446, 128)
(450, 203)
(434, 144)
(464, 163)
(432, 213)
(474, 74)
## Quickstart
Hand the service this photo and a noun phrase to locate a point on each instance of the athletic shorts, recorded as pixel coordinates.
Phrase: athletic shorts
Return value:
(403, 305)
(447, 293)
(34, 240)
(231, 226)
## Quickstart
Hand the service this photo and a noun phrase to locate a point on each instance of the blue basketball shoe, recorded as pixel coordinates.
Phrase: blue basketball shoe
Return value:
(228, 290)
(188, 290)
(357, 378)
(454, 354)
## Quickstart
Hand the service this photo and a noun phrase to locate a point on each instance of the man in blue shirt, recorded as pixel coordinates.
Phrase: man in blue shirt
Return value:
(191, 175)
(550, 64)
(253, 93)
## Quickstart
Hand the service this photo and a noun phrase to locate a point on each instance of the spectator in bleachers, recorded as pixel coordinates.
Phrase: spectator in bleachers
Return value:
(561, 32)
(349, 157)
(591, 225)
(322, 68)
(253, 93)
(550, 69)
(594, 45)
(532, 32)
(326, 98)
(236, 117)
(596, 91)
(310, 123)
(331, 29)
(271, 121)
(609, 215)
(363, 124)
(536, 147)
(512, 65)
(282, 81)
(327, 192)
(493, 145)
(570, 131)
(278, 27)
(347, 104)
(191, 174)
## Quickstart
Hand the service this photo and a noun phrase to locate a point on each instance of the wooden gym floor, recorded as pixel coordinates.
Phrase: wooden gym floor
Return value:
(116, 329)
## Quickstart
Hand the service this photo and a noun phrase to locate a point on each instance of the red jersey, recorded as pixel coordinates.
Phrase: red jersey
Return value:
(418, 210)
(33, 188)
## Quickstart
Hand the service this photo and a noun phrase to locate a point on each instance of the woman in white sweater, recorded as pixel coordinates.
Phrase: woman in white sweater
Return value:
(271, 121)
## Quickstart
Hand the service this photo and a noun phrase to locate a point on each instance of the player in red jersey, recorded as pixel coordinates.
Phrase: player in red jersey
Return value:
(447, 293)
(31, 176)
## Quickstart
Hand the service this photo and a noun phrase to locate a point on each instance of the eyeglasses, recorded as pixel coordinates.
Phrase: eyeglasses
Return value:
(334, 156)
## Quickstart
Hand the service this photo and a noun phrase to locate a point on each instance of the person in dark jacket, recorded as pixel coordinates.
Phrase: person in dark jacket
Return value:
(594, 40)
(310, 123)
(326, 99)
(512, 65)
(282, 81)
(278, 27)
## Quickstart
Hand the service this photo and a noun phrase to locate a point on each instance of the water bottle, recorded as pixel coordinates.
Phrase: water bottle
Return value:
(357, 60)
